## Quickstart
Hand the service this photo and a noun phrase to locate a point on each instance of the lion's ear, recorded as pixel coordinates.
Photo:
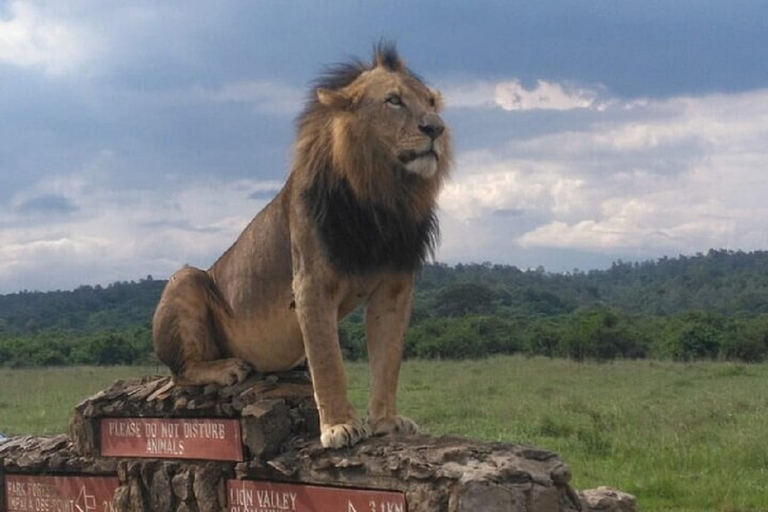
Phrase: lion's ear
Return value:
(333, 99)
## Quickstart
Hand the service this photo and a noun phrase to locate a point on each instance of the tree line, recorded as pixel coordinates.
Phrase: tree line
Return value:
(705, 306)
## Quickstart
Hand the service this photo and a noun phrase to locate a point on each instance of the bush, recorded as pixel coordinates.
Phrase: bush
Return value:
(459, 338)
(749, 342)
(544, 338)
(352, 341)
(696, 335)
(112, 349)
(603, 334)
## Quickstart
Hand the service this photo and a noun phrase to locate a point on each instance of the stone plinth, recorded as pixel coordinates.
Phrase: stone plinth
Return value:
(436, 474)
(271, 409)
(279, 435)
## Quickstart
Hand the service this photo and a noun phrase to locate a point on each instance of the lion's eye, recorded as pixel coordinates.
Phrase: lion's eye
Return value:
(394, 100)
(432, 101)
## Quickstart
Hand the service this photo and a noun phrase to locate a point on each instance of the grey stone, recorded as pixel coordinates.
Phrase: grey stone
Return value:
(182, 485)
(207, 488)
(160, 494)
(485, 496)
(265, 425)
(608, 499)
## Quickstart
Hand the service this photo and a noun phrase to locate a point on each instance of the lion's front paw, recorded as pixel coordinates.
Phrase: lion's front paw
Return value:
(343, 434)
(233, 371)
(394, 425)
(223, 372)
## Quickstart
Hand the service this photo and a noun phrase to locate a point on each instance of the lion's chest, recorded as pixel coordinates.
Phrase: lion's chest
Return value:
(360, 238)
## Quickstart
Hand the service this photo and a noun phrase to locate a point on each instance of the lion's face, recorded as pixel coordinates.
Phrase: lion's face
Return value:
(395, 113)
(403, 115)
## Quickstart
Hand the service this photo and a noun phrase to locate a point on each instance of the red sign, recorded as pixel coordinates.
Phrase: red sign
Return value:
(25, 493)
(165, 438)
(253, 496)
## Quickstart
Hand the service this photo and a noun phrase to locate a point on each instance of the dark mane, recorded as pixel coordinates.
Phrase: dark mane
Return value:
(360, 238)
(339, 75)
(385, 54)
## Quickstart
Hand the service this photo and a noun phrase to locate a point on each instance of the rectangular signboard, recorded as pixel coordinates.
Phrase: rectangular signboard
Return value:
(27, 493)
(172, 438)
(256, 496)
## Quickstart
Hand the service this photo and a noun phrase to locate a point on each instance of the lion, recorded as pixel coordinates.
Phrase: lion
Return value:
(353, 223)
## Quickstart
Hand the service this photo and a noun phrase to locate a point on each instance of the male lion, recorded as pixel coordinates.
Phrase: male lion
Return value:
(353, 223)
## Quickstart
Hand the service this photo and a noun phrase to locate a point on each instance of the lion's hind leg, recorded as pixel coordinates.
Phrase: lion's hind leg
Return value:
(186, 330)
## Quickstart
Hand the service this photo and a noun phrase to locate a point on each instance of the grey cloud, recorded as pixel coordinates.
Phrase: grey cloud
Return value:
(508, 212)
(48, 205)
(266, 194)
(181, 225)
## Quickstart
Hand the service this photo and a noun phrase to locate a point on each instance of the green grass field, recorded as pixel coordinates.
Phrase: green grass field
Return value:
(683, 437)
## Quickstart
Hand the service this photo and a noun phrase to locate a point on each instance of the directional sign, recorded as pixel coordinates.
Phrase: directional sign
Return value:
(256, 496)
(27, 493)
(166, 438)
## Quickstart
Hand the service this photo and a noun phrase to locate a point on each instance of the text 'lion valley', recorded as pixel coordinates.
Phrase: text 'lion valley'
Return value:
(257, 496)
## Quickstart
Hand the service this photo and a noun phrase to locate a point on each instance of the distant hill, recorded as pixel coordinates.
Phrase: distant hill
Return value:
(712, 305)
(731, 283)
(85, 309)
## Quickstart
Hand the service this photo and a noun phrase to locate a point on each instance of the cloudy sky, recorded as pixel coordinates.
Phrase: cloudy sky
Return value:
(139, 136)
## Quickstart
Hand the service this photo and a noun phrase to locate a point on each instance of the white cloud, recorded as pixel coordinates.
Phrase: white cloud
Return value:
(123, 234)
(469, 95)
(545, 95)
(510, 185)
(30, 38)
(512, 95)
(671, 176)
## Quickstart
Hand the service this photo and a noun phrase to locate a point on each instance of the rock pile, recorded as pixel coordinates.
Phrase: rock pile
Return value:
(279, 426)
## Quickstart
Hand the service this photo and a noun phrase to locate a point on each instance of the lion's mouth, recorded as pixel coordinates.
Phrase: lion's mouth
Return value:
(409, 156)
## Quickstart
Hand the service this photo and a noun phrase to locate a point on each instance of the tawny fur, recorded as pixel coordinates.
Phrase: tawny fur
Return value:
(352, 224)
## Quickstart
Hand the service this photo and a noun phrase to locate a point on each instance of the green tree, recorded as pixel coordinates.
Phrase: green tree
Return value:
(464, 299)
(748, 342)
(602, 334)
(110, 349)
(696, 335)
(543, 337)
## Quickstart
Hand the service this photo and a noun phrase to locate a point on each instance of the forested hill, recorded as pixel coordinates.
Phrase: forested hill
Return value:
(724, 282)
(712, 305)
(87, 308)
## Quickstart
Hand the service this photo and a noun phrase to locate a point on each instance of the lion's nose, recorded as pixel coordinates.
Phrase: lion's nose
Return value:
(432, 126)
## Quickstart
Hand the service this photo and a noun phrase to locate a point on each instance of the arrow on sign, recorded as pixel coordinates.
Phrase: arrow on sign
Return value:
(85, 502)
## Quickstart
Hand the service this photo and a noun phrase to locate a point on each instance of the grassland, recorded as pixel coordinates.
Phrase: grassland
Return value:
(683, 437)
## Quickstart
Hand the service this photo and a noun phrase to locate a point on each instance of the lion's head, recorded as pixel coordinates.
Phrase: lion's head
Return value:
(391, 108)
(372, 140)
(374, 121)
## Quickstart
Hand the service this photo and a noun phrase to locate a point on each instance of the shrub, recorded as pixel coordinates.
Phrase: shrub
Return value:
(749, 342)
(696, 335)
(603, 334)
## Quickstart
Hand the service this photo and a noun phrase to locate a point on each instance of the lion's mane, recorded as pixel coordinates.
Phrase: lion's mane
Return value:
(370, 212)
